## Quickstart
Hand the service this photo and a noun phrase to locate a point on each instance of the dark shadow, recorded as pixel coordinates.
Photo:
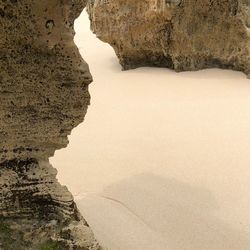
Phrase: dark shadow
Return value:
(213, 73)
(114, 64)
(180, 213)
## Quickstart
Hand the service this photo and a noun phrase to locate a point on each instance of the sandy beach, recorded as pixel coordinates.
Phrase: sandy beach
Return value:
(162, 159)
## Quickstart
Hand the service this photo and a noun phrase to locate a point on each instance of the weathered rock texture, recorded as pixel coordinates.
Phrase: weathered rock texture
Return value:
(177, 34)
(44, 95)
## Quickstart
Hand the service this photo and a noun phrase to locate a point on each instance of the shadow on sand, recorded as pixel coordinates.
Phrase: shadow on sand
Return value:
(181, 214)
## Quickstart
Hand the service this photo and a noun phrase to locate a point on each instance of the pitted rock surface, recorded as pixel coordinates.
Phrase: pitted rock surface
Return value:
(44, 80)
(177, 34)
(44, 95)
(36, 211)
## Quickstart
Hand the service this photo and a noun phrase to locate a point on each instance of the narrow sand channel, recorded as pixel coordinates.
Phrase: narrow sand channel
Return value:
(162, 160)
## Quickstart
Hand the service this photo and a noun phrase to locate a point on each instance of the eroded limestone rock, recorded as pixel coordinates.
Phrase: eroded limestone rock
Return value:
(177, 34)
(44, 95)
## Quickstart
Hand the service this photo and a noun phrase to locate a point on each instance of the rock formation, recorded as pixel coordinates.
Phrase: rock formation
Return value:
(177, 34)
(44, 95)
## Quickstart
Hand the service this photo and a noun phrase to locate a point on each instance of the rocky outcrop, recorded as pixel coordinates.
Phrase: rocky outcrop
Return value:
(177, 34)
(44, 95)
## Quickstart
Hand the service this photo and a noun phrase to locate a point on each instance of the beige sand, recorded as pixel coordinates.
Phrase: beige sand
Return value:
(162, 160)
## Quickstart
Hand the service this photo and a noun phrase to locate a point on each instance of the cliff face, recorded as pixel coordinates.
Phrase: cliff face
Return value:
(44, 95)
(177, 34)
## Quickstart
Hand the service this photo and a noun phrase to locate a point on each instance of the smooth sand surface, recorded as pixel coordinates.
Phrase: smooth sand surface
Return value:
(162, 160)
